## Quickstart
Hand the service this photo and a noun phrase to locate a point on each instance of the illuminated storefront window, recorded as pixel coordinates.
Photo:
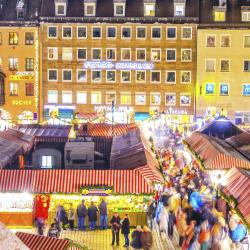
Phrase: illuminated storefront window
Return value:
(81, 97)
(67, 97)
(52, 96)
(125, 98)
(140, 98)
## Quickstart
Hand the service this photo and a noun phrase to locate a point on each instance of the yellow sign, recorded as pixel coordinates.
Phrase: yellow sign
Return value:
(21, 77)
(21, 102)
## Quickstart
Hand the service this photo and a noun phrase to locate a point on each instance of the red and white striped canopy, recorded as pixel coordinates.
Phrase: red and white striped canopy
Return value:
(36, 242)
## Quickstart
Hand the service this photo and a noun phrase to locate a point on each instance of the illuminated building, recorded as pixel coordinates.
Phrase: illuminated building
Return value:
(223, 62)
(139, 54)
(19, 62)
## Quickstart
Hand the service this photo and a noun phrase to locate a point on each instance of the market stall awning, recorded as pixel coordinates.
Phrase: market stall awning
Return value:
(215, 153)
(36, 242)
(236, 183)
(86, 116)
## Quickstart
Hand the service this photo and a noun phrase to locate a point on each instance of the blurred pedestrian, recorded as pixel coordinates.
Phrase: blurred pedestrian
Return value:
(61, 216)
(71, 217)
(92, 214)
(81, 214)
(40, 225)
(115, 227)
(53, 231)
(146, 238)
(103, 215)
(136, 238)
(125, 230)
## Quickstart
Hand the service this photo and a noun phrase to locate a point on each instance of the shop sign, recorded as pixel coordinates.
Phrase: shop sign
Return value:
(21, 102)
(171, 111)
(96, 191)
(115, 109)
(119, 65)
(21, 77)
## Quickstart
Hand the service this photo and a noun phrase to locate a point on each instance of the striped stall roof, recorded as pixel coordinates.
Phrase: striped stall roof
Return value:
(36, 242)
(236, 182)
(86, 116)
(216, 153)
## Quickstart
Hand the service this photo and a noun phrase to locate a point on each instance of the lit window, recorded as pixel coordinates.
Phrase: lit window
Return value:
(96, 32)
(219, 16)
(156, 32)
(224, 65)
(29, 89)
(110, 75)
(1, 38)
(13, 38)
(81, 75)
(13, 89)
(141, 32)
(110, 97)
(119, 9)
(111, 54)
(111, 32)
(155, 55)
(185, 99)
(13, 63)
(245, 16)
(67, 32)
(210, 42)
(186, 55)
(126, 32)
(210, 89)
(125, 54)
(125, 76)
(125, 98)
(224, 89)
(140, 54)
(46, 161)
(81, 54)
(96, 97)
(171, 55)
(140, 98)
(171, 33)
(67, 75)
(29, 38)
(179, 9)
(210, 65)
(52, 96)
(246, 89)
(170, 99)
(81, 97)
(52, 75)
(81, 32)
(170, 77)
(149, 9)
(67, 97)
(185, 77)
(52, 32)
(96, 75)
(247, 65)
(96, 54)
(89, 9)
(29, 64)
(140, 76)
(67, 54)
(155, 76)
(225, 41)
(246, 41)
(155, 98)
(186, 33)
(60, 9)
(53, 53)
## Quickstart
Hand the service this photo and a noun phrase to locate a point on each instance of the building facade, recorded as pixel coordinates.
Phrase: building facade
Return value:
(19, 63)
(223, 64)
(137, 54)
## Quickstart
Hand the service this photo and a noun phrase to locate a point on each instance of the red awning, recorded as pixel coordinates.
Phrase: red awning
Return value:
(86, 116)
(36, 242)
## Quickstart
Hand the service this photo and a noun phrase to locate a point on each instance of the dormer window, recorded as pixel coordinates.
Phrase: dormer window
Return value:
(20, 9)
(89, 9)
(245, 13)
(20, 14)
(179, 7)
(61, 7)
(220, 11)
(119, 9)
(149, 9)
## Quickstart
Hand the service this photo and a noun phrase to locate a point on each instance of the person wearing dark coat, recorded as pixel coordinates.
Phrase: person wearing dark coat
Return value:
(92, 213)
(53, 231)
(126, 230)
(136, 238)
(61, 216)
(115, 226)
(81, 214)
(171, 223)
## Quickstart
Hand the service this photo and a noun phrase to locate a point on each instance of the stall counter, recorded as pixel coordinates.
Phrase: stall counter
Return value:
(24, 219)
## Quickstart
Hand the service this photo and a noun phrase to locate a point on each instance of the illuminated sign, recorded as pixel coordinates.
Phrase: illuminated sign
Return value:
(21, 102)
(118, 65)
(116, 109)
(209, 88)
(246, 89)
(176, 111)
(21, 77)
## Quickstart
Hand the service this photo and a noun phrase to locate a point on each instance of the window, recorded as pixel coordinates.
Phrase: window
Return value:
(185, 76)
(247, 65)
(52, 75)
(246, 41)
(110, 97)
(185, 99)
(111, 54)
(13, 63)
(119, 9)
(29, 89)
(81, 75)
(225, 65)
(89, 9)
(67, 97)
(186, 33)
(246, 89)
(155, 32)
(155, 98)
(210, 89)
(53, 53)
(141, 54)
(210, 65)
(140, 98)
(171, 55)
(171, 33)
(224, 89)
(13, 38)
(225, 41)
(210, 41)
(67, 75)
(81, 97)
(67, 54)
(125, 98)
(126, 32)
(245, 16)
(82, 32)
(96, 54)
(1, 61)
(125, 54)
(20, 14)
(186, 55)
(52, 32)
(81, 54)
(170, 99)
(13, 89)
(67, 32)
(141, 32)
(96, 75)
(149, 9)
(111, 32)
(125, 76)
(29, 38)
(96, 32)
(110, 75)
(219, 16)
(52, 96)
(46, 161)
(170, 77)
(179, 9)
(96, 97)
(1, 38)
(60, 9)
(155, 76)
(155, 55)
(140, 76)
(29, 64)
